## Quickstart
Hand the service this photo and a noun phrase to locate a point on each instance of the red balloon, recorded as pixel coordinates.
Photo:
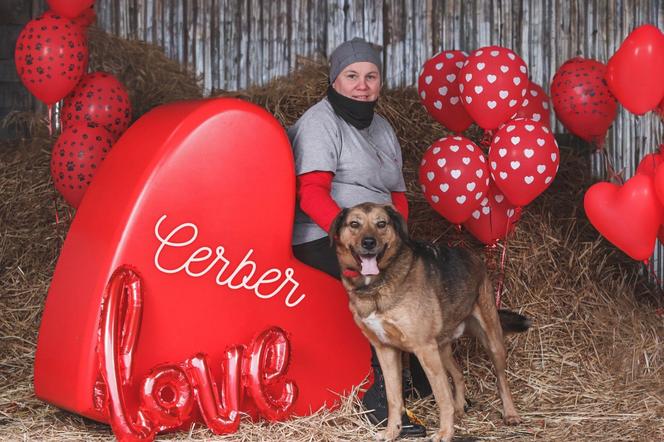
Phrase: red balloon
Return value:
(635, 72)
(99, 98)
(649, 163)
(454, 177)
(494, 82)
(629, 215)
(660, 109)
(75, 159)
(494, 219)
(70, 8)
(51, 55)
(524, 159)
(582, 101)
(438, 87)
(535, 105)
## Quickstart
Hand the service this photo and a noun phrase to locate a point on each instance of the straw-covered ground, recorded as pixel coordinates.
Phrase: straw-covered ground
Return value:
(591, 368)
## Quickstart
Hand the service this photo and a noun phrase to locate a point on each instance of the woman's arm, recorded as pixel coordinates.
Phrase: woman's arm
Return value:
(314, 193)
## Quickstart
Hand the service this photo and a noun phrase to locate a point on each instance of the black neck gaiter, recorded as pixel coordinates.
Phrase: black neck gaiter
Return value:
(354, 112)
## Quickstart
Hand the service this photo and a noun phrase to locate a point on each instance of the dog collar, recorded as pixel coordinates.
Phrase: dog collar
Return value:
(350, 273)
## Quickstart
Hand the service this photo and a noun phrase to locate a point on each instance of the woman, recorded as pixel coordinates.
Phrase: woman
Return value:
(346, 154)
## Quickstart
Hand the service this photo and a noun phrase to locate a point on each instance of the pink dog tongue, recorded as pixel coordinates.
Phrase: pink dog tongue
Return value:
(369, 265)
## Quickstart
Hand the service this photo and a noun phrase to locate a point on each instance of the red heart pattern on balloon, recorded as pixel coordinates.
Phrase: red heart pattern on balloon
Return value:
(98, 98)
(494, 219)
(582, 101)
(524, 160)
(51, 56)
(454, 177)
(198, 197)
(75, 159)
(536, 105)
(494, 82)
(629, 215)
(438, 88)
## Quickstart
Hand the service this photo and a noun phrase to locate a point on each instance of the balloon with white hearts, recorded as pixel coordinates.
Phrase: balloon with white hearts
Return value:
(438, 89)
(494, 219)
(494, 83)
(523, 159)
(536, 105)
(454, 177)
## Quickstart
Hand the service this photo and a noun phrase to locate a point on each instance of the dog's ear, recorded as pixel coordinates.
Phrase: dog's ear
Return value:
(398, 222)
(336, 225)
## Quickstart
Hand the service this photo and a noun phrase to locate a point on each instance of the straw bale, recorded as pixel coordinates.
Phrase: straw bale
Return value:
(591, 368)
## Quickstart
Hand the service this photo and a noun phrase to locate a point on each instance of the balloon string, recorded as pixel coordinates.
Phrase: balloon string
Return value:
(501, 274)
(55, 204)
(50, 116)
(610, 170)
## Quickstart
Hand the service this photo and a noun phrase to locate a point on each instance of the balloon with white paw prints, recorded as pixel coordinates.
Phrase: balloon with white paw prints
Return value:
(438, 88)
(523, 159)
(494, 82)
(454, 177)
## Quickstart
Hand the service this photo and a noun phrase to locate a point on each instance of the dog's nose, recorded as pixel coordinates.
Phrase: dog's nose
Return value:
(368, 242)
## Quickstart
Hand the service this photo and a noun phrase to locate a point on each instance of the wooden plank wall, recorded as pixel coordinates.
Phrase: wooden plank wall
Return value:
(236, 43)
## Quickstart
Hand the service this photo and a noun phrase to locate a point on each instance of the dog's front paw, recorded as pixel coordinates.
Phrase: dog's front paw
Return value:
(389, 434)
(512, 419)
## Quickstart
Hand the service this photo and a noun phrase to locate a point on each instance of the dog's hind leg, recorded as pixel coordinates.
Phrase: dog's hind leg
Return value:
(457, 378)
(432, 362)
(390, 362)
(484, 323)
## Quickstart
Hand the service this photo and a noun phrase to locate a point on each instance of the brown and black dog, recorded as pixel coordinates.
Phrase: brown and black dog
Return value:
(419, 298)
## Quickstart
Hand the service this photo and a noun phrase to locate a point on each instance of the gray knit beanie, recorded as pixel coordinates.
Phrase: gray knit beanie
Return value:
(351, 52)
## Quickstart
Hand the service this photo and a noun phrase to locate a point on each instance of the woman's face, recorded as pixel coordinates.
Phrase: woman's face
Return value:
(359, 81)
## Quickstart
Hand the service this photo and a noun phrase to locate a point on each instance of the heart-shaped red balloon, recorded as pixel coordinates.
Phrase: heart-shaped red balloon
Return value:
(98, 98)
(70, 8)
(629, 215)
(524, 160)
(634, 73)
(199, 198)
(494, 82)
(75, 159)
(438, 87)
(454, 177)
(582, 100)
(51, 56)
(494, 219)
(536, 105)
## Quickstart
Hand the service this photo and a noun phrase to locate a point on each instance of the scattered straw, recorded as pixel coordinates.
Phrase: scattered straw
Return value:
(592, 367)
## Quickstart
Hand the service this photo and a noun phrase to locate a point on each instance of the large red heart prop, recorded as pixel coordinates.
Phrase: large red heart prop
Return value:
(629, 215)
(438, 86)
(198, 197)
(634, 73)
(494, 82)
(454, 177)
(51, 55)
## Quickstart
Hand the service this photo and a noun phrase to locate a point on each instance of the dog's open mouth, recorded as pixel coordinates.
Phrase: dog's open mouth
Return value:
(368, 262)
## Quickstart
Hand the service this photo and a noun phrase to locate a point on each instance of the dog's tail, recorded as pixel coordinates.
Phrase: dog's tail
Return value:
(512, 322)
